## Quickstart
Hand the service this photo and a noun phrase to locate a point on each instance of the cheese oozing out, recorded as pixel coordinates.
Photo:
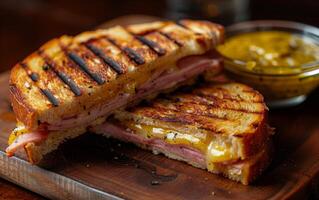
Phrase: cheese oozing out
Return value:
(214, 148)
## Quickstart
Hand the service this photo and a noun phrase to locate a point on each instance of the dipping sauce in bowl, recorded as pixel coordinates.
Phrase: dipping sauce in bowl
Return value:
(278, 58)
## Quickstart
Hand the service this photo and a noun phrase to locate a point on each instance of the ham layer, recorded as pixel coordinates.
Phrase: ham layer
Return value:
(184, 152)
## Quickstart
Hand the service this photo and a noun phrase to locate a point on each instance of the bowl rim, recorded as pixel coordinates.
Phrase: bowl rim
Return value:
(305, 30)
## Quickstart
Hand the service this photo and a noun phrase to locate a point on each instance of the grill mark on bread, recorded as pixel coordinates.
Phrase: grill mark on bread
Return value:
(169, 37)
(192, 107)
(46, 92)
(133, 55)
(151, 44)
(155, 47)
(78, 72)
(109, 61)
(159, 109)
(83, 66)
(129, 52)
(66, 79)
(187, 119)
(200, 111)
(174, 112)
(216, 102)
(33, 76)
(71, 84)
(225, 95)
(211, 29)
(50, 97)
(180, 23)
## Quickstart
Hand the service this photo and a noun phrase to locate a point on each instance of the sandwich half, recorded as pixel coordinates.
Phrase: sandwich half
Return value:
(71, 83)
(219, 127)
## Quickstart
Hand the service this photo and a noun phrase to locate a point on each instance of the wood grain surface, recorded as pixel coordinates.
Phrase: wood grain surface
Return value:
(92, 167)
(9, 191)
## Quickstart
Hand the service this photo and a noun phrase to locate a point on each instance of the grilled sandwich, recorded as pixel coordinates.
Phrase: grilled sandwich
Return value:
(71, 83)
(218, 127)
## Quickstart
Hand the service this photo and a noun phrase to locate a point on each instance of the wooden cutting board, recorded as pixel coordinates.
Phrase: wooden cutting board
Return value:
(92, 167)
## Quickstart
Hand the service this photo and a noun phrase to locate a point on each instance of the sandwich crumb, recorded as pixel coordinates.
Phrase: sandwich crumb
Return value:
(155, 182)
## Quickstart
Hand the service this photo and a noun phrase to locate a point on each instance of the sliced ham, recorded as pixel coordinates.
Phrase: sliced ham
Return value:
(22, 140)
(185, 152)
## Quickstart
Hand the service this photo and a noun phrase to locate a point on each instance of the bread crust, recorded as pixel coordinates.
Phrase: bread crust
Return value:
(20, 106)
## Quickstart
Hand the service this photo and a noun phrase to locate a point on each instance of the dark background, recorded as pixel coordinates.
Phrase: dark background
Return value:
(26, 24)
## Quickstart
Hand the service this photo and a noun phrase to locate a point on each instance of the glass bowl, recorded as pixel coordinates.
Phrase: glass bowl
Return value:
(281, 86)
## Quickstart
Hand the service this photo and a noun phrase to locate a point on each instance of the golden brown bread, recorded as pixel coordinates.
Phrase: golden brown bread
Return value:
(221, 127)
(69, 76)
(232, 113)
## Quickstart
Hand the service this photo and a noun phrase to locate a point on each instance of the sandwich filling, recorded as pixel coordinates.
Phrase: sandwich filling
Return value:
(201, 150)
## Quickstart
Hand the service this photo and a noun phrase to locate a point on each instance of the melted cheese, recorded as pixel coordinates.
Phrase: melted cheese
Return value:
(215, 149)
(19, 130)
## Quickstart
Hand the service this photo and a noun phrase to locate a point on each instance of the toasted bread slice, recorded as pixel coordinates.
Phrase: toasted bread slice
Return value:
(233, 115)
(69, 78)
(212, 126)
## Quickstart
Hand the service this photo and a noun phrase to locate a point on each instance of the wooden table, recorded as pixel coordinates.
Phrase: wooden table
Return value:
(9, 191)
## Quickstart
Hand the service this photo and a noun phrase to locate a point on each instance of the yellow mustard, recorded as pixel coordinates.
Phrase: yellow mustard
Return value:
(270, 49)
(281, 65)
